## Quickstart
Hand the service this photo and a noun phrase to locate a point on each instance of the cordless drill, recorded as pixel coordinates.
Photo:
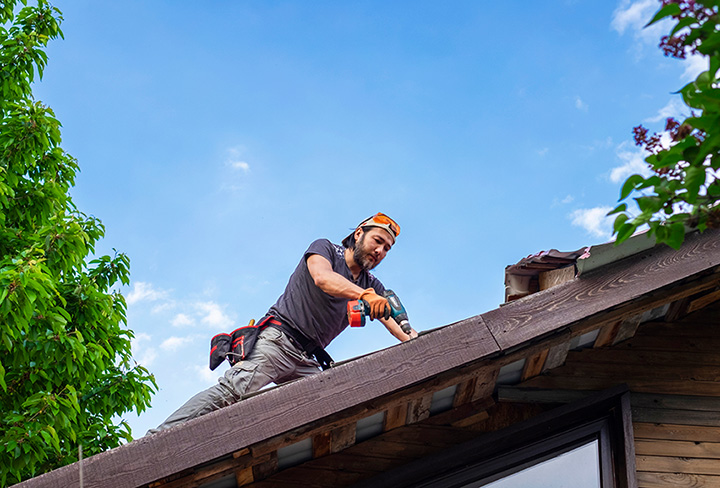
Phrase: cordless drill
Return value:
(357, 310)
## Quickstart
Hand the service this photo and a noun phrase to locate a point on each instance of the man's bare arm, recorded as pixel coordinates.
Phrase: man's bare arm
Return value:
(329, 281)
(397, 331)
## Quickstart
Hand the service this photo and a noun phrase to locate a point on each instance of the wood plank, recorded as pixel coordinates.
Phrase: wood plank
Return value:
(676, 432)
(646, 280)
(677, 310)
(628, 328)
(534, 364)
(664, 464)
(396, 416)
(643, 385)
(676, 402)
(457, 414)
(687, 372)
(676, 480)
(656, 447)
(244, 476)
(519, 394)
(632, 357)
(557, 355)
(419, 409)
(343, 437)
(322, 444)
(676, 416)
(703, 301)
(266, 468)
(554, 277)
(607, 334)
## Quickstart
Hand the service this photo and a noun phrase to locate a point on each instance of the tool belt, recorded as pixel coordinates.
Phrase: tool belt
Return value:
(238, 344)
(307, 345)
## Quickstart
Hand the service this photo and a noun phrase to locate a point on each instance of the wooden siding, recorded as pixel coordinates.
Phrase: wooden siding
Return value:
(673, 370)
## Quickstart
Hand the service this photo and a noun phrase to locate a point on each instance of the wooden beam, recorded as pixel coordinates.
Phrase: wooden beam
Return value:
(607, 334)
(556, 356)
(657, 447)
(677, 310)
(458, 414)
(343, 437)
(534, 364)
(518, 394)
(665, 464)
(693, 433)
(548, 279)
(676, 480)
(703, 301)
(627, 329)
(396, 416)
(419, 409)
(476, 387)
(322, 444)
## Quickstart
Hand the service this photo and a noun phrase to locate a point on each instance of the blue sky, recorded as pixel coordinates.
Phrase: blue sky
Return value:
(217, 139)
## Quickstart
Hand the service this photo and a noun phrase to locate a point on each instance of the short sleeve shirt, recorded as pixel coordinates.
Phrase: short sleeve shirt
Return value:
(305, 307)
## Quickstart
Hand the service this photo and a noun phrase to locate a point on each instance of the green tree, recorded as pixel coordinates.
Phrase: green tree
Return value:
(684, 188)
(66, 370)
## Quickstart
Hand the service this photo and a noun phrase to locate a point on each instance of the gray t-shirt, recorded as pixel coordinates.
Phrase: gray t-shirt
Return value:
(305, 307)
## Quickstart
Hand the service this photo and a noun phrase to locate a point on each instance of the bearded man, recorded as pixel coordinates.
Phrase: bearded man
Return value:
(310, 313)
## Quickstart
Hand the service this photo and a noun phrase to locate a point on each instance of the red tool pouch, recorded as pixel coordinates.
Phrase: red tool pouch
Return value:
(237, 345)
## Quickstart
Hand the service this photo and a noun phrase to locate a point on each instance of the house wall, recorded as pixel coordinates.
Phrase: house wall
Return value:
(673, 372)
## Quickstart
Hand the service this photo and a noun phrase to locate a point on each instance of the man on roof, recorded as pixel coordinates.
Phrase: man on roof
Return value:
(310, 313)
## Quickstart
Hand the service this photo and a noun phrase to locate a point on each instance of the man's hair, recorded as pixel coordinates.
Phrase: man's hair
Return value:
(349, 241)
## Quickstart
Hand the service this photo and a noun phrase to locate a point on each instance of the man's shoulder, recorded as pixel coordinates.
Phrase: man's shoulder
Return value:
(325, 248)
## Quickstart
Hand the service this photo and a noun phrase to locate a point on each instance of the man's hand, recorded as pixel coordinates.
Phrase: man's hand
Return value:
(379, 307)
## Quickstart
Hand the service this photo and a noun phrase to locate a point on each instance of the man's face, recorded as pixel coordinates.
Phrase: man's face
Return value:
(371, 247)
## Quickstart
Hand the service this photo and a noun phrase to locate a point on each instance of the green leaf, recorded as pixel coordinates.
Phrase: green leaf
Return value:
(666, 11)
(676, 235)
(620, 208)
(630, 185)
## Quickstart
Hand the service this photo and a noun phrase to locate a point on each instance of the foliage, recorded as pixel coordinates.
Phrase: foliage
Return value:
(683, 189)
(66, 371)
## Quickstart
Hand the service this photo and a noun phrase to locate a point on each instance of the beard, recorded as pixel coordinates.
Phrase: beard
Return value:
(362, 256)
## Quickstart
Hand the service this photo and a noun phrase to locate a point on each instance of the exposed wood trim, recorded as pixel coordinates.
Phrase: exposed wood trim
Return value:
(556, 356)
(628, 328)
(692, 433)
(554, 277)
(534, 364)
(419, 409)
(677, 310)
(703, 301)
(607, 334)
(665, 464)
(457, 416)
(322, 444)
(676, 480)
(343, 437)
(244, 476)
(519, 394)
(396, 416)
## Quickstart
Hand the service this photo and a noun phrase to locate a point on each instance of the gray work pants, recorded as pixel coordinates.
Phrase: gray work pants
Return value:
(273, 359)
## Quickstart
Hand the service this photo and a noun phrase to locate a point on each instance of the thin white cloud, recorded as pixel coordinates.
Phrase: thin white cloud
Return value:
(594, 220)
(235, 160)
(143, 353)
(213, 315)
(694, 65)
(543, 151)
(633, 162)
(675, 108)
(632, 16)
(174, 343)
(567, 199)
(143, 291)
(580, 105)
(206, 376)
(182, 320)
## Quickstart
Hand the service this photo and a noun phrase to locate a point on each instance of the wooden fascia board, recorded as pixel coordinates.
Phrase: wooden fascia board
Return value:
(280, 409)
(607, 288)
